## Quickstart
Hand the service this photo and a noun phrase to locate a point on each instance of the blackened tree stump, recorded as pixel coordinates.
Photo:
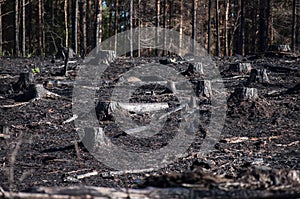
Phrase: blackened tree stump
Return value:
(240, 67)
(245, 93)
(204, 88)
(23, 82)
(258, 75)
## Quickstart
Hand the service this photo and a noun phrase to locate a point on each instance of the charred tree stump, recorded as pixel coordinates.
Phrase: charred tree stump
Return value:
(34, 92)
(240, 67)
(196, 67)
(204, 88)
(258, 75)
(246, 93)
(103, 57)
(23, 82)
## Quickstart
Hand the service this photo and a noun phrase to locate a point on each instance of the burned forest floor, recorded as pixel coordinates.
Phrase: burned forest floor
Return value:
(256, 156)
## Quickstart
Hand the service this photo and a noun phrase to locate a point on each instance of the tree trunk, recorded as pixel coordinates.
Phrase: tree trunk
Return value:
(89, 21)
(209, 26)
(164, 26)
(181, 28)
(30, 33)
(40, 29)
(16, 41)
(194, 28)
(263, 25)
(116, 24)
(226, 5)
(294, 25)
(254, 27)
(217, 29)
(1, 51)
(23, 30)
(157, 22)
(74, 26)
(66, 24)
(53, 47)
(99, 24)
(139, 26)
(83, 28)
(131, 28)
(242, 28)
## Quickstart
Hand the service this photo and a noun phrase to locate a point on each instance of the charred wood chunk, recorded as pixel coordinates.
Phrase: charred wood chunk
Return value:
(23, 82)
(240, 67)
(245, 93)
(204, 88)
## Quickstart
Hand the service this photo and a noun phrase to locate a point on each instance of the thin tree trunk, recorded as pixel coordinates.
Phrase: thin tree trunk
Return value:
(164, 26)
(16, 48)
(53, 45)
(194, 28)
(157, 22)
(83, 28)
(66, 24)
(226, 5)
(99, 24)
(116, 24)
(89, 19)
(217, 29)
(75, 26)
(131, 28)
(139, 32)
(23, 30)
(242, 29)
(209, 26)
(181, 28)
(39, 31)
(30, 18)
(1, 28)
(263, 26)
(254, 27)
(294, 25)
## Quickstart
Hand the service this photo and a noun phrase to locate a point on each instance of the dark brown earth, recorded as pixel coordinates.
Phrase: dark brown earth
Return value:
(257, 155)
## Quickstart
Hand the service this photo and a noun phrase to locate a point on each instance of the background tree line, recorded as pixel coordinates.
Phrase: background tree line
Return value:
(224, 27)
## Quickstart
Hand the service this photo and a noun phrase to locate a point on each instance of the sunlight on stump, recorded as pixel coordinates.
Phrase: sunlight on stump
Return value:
(245, 93)
(204, 88)
(240, 67)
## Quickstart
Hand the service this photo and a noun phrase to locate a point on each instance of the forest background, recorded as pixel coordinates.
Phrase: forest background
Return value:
(224, 27)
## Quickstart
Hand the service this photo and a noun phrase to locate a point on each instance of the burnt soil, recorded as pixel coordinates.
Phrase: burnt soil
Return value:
(257, 153)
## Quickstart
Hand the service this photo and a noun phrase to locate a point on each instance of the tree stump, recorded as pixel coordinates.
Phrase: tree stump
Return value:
(196, 67)
(280, 48)
(204, 88)
(35, 91)
(246, 93)
(258, 75)
(23, 82)
(240, 67)
(103, 57)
